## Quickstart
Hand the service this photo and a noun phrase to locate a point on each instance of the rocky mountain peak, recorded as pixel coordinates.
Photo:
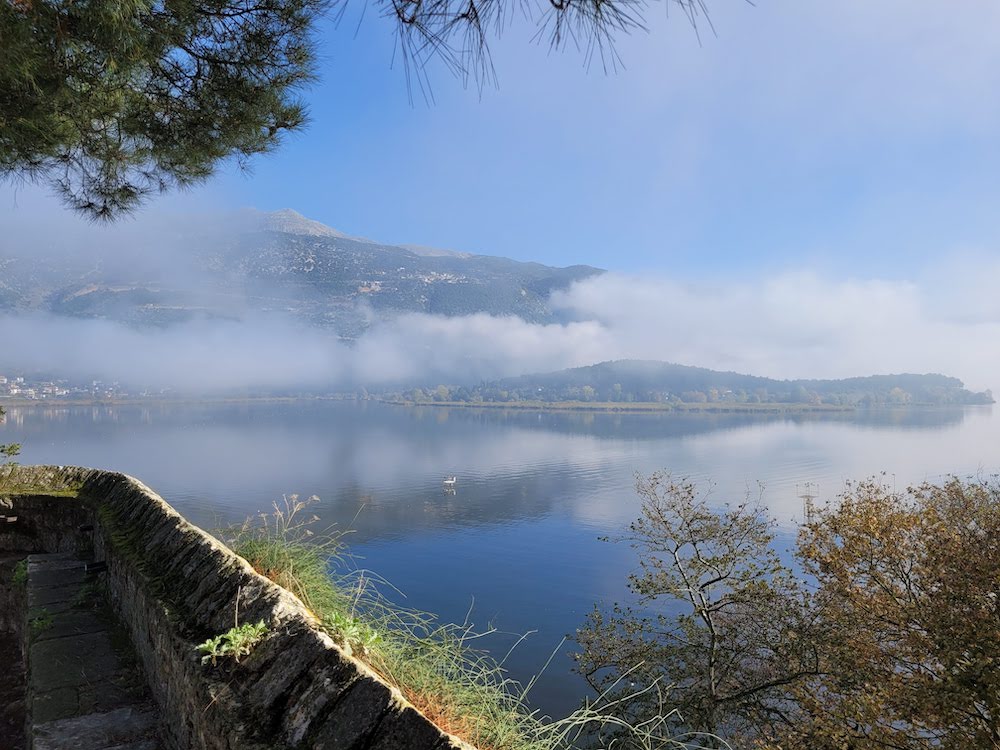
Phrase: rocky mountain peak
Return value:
(292, 222)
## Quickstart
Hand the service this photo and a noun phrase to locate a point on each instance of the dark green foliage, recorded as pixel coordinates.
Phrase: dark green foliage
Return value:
(109, 101)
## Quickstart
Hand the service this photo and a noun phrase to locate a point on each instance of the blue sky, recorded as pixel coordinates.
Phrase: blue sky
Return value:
(850, 138)
(853, 136)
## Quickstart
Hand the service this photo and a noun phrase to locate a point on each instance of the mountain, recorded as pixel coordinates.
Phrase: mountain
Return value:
(267, 262)
(292, 222)
(639, 380)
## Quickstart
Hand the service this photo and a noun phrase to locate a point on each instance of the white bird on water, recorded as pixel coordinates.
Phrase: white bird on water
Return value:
(450, 481)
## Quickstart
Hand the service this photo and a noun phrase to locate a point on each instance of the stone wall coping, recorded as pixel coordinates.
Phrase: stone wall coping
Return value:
(176, 585)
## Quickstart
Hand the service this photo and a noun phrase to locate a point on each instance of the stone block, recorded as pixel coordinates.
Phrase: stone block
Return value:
(70, 623)
(324, 688)
(99, 730)
(71, 661)
(406, 729)
(355, 716)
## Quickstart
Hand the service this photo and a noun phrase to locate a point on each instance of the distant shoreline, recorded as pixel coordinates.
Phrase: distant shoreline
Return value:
(609, 407)
(8, 403)
(633, 407)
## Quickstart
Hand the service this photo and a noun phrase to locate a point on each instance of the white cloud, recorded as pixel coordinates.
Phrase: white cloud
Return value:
(786, 325)
(206, 355)
(799, 324)
(474, 346)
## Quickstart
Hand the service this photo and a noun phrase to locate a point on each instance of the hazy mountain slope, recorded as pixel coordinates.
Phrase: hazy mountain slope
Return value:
(277, 262)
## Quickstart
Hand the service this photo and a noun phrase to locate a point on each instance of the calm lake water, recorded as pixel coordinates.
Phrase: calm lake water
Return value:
(517, 542)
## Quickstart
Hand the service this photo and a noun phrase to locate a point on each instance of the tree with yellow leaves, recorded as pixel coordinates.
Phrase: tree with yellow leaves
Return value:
(907, 586)
(886, 635)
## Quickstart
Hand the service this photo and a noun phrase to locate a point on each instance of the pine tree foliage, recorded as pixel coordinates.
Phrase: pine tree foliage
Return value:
(109, 101)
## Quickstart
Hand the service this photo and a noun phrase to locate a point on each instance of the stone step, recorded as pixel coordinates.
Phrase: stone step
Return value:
(85, 690)
(128, 728)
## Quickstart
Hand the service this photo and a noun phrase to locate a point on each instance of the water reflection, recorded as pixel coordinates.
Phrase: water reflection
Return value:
(218, 463)
(535, 490)
(637, 425)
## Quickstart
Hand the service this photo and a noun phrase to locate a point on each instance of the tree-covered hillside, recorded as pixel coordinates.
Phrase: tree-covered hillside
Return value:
(629, 381)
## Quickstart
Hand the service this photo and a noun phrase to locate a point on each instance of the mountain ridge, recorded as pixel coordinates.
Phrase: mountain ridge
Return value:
(280, 262)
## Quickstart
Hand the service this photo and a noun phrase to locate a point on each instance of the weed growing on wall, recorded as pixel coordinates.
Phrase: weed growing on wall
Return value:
(40, 623)
(20, 576)
(235, 643)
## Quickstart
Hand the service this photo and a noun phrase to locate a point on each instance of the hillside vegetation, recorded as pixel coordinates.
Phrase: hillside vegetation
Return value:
(634, 381)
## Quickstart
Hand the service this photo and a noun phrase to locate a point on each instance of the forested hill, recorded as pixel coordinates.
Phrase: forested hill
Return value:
(645, 381)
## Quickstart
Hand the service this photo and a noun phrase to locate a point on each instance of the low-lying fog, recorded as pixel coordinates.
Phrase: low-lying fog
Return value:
(789, 324)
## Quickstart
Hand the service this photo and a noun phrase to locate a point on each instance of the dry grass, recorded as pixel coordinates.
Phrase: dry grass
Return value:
(436, 666)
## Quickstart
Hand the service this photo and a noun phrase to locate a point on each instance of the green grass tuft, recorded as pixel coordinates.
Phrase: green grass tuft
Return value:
(281, 546)
(436, 666)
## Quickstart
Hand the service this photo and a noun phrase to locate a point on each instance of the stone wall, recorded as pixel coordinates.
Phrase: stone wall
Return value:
(173, 586)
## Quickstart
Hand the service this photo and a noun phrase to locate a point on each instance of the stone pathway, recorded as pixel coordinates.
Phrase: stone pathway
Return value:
(85, 688)
(11, 693)
(11, 657)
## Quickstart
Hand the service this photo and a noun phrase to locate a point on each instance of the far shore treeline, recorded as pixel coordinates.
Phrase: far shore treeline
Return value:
(648, 382)
(626, 385)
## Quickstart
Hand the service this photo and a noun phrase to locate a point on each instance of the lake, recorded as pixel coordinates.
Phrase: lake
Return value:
(517, 542)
